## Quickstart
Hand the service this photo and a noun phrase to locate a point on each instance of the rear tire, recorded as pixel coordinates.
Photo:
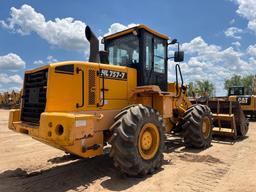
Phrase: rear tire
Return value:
(197, 126)
(137, 140)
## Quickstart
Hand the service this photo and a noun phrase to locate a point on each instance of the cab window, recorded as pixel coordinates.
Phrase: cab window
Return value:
(236, 91)
(124, 51)
(152, 42)
(159, 55)
(148, 49)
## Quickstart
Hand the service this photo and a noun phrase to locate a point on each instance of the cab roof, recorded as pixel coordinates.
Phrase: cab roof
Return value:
(124, 32)
(240, 86)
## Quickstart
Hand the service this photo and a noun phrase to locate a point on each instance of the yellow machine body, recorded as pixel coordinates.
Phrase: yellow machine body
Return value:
(75, 119)
(10, 99)
(248, 103)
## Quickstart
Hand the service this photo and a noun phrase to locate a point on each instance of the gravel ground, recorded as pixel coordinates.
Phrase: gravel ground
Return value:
(28, 165)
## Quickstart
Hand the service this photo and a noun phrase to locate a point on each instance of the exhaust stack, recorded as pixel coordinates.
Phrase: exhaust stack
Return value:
(94, 45)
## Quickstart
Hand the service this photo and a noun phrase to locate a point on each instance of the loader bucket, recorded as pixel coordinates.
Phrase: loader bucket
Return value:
(228, 117)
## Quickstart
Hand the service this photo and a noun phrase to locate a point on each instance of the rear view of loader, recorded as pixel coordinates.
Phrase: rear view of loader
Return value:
(121, 96)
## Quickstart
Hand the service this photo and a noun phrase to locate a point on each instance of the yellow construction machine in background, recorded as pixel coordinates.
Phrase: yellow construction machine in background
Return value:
(247, 101)
(10, 99)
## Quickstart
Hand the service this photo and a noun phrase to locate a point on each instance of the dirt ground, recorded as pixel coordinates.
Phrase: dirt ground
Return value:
(27, 165)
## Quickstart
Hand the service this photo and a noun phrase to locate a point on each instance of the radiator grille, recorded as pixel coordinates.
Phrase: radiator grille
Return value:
(91, 87)
(34, 96)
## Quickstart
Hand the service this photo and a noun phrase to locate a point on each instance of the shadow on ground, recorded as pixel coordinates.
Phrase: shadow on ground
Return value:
(228, 140)
(69, 173)
(72, 173)
(76, 175)
(175, 144)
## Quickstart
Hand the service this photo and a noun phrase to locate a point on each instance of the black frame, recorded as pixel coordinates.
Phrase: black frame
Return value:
(238, 87)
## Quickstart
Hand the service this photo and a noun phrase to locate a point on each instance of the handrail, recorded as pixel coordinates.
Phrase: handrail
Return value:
(99, 73)
(77, 71)
(177, 67)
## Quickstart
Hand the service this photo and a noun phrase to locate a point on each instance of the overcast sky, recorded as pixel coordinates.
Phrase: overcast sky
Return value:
(218, 37)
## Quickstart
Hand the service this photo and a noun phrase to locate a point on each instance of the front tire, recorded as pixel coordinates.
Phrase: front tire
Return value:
(197, 126)
(137, 140)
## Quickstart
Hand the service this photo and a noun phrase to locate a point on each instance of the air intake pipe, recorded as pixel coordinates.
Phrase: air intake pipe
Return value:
(94, 45)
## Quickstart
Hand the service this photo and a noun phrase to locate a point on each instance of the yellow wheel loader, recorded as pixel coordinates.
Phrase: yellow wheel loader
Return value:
(120, 97)
(247, 102)
(10, 100)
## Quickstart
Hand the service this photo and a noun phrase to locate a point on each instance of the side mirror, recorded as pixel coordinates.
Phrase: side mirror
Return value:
(174, 41)
(179, 56)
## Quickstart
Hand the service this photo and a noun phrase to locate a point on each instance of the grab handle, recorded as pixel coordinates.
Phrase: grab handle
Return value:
(77, 72)
(103, 89)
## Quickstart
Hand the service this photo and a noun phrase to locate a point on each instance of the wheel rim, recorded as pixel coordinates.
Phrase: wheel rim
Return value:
(149, 140)
(206, 127)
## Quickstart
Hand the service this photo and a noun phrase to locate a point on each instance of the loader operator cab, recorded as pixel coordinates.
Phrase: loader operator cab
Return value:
(143, 49)
(236, 90)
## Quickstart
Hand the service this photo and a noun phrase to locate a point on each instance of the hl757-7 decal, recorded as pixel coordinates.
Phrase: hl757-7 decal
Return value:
(111, 74)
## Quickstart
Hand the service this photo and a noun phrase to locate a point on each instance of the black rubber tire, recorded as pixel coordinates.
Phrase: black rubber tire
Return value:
(124, 141)
(243, 128)
(192, 126)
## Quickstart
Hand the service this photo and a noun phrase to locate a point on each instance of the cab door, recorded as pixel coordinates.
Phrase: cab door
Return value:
(154, 61)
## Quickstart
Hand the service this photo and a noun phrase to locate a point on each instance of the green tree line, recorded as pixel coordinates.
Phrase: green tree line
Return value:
(207, 88)
(201, 89)
(237, 80)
